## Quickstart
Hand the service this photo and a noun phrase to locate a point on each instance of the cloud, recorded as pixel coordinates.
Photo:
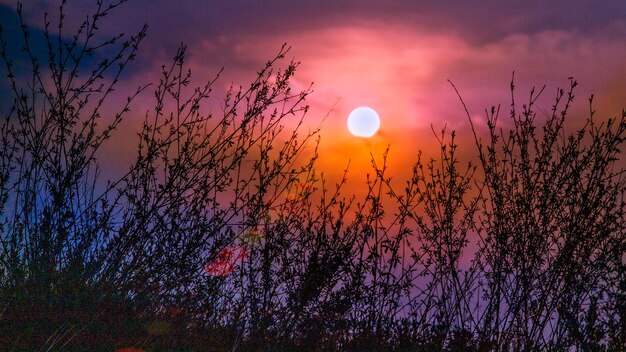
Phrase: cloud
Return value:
(394, 56)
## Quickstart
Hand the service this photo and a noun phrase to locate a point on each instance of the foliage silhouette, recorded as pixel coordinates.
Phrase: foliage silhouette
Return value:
(89, 264)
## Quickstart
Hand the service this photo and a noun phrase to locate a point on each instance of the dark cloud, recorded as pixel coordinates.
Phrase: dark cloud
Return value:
(396, 55)
(14, 45)
(474, 20)
(14, 36)
(175, 21)
(220, 22)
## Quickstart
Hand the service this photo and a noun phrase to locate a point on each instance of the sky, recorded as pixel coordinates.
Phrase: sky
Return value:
(394, 56)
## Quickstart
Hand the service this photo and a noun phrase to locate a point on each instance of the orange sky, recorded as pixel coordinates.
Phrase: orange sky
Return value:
(402, 73)
(395, 57)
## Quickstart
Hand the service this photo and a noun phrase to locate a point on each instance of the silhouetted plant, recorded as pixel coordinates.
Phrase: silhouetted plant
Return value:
(551, 228)
(55, 226)
(221, 234)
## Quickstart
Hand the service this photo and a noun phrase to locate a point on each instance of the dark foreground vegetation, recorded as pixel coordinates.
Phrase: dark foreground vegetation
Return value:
(221, 236)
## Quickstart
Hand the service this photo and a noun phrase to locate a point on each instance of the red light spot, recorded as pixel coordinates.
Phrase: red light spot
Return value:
(219, 268)
(226, 260)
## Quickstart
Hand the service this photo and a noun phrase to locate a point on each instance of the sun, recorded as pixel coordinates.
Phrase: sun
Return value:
(363, 122)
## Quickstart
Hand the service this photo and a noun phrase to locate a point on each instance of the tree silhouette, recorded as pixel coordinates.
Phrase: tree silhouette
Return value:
(221, 234)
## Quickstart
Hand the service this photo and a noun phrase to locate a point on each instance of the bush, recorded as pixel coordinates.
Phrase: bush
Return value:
(221, 235)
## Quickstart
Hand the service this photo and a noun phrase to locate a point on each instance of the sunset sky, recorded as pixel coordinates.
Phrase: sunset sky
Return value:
(394, 56)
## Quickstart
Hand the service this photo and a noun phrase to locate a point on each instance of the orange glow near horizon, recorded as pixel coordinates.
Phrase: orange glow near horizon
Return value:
(403, 74)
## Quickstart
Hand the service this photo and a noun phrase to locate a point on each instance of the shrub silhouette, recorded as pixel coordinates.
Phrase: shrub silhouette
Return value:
(221, 235)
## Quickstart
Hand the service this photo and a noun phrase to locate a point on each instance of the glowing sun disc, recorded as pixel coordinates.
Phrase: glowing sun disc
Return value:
(363, 122)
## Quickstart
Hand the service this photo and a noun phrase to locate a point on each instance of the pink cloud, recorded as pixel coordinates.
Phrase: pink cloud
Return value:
(403, 74)
(399, 69)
